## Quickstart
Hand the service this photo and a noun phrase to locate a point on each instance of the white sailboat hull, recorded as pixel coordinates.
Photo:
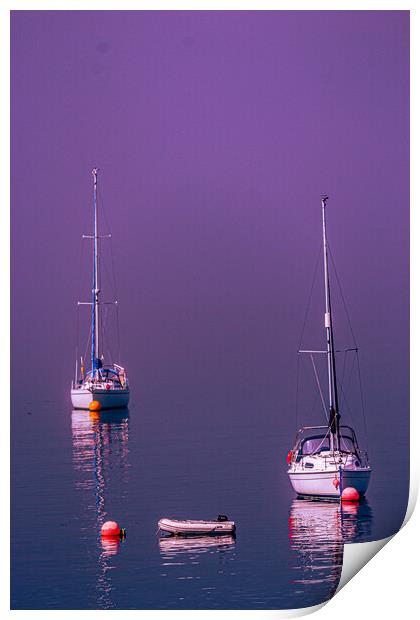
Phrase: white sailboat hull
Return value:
(108, 399)
(324, 483)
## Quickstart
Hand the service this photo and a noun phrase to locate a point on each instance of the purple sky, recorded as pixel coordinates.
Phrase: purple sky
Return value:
(216, 133)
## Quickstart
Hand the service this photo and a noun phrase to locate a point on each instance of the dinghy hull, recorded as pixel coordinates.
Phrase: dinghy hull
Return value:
(196, 528)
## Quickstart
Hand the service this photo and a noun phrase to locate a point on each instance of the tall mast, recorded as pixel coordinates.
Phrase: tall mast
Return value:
(95, 285)
(332, 375)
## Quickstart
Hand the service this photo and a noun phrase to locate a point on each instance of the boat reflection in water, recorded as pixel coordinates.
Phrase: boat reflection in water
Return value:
(171, 546)
(184, 556)
(101, 464)
(317, 533)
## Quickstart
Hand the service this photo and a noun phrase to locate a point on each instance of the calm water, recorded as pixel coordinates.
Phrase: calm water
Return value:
(73, 470)
(213, 158)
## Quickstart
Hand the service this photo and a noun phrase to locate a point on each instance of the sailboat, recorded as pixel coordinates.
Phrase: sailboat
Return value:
(327, 459)
(108, 385)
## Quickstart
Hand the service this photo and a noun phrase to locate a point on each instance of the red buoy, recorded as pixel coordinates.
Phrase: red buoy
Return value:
(350, 494)
(110, 528)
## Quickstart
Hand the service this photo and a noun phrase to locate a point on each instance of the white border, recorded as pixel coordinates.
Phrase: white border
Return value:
(396, 570)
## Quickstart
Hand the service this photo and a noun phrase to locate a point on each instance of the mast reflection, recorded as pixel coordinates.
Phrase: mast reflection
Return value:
(101, 464)
(317, 533)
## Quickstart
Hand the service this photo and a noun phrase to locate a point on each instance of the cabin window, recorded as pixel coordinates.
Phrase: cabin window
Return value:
(347, 444)
(313, 445)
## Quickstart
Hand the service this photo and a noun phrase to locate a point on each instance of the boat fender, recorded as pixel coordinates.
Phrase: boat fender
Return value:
(289, 457)
(336, 483)
(108, 386)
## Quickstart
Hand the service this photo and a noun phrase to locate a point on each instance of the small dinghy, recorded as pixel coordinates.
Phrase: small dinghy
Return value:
(175, 527)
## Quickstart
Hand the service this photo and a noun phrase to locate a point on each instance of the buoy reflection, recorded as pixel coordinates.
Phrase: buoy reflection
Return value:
(317, 533)
(101, 464)
(356, 521)
(110, 546)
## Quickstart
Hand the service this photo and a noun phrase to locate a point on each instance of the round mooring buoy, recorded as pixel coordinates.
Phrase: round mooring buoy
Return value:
(111, 528)
(350, 494)
(95, 405)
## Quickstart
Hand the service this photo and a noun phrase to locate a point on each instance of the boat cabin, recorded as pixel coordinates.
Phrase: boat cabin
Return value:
(312, 440)
(106, 374)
